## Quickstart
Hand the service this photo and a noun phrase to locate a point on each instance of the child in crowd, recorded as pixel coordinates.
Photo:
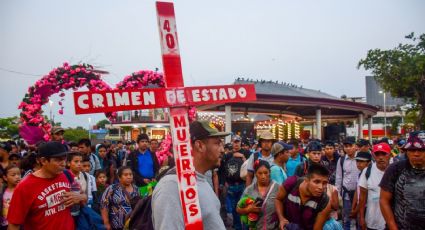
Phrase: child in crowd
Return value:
(87, 182)
(12, 176)
(101, 184)
(29, 164)
(15, 159)
(363, 159)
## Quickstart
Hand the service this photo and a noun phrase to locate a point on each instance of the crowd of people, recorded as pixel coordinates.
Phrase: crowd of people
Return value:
(244, 184)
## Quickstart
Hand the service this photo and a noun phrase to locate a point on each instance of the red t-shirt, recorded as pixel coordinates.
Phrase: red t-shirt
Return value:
(37, 204)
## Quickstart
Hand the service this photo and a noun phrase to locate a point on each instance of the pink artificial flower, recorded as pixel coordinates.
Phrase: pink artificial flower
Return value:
(62, 94)
(60, 111)
(77, 70)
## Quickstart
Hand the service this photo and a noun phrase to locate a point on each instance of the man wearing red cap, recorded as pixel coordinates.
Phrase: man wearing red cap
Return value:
(371, 218)
(402, 198)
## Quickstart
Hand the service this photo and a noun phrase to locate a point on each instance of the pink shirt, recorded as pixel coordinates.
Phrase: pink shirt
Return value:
(7, 196)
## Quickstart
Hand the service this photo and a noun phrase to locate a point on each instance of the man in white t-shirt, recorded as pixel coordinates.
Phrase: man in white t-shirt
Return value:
(370, 212)
(266, 142)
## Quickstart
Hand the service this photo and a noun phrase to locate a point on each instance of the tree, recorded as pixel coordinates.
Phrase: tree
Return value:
(401, 72)
(102, 123)
(9, 127)
(76, 134)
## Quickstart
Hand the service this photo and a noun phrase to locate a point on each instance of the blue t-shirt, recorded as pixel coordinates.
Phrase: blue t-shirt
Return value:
(277, 174)
(146, 164)
(292, 164)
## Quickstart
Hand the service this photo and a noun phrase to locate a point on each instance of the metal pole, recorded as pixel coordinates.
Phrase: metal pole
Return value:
(89, 128)
(385, 115)
(360, 128)
(228, 121)
(51, 112)
(369, 128)
(319, 124)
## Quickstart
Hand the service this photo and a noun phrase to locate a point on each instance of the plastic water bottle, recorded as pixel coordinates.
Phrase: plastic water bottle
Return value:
(75, 187)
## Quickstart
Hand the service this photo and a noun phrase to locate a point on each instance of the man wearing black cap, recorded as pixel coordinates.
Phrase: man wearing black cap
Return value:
(363, 145)
(403, 187)
(314, 151)
(43, 199)
(207, 146)
(143, 162)
(246, 146)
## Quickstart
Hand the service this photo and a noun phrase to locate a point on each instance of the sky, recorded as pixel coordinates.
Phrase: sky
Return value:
(313, 43)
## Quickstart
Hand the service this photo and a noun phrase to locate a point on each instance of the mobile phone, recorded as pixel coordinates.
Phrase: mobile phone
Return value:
(259, 202)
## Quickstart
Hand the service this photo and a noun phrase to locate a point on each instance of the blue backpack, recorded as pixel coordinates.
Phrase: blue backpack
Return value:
(88, 219)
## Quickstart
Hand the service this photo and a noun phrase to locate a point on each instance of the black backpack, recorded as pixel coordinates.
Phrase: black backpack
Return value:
(141, 215)
(232, 169)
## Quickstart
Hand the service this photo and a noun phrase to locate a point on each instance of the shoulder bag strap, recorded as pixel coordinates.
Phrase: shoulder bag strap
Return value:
(268, 193)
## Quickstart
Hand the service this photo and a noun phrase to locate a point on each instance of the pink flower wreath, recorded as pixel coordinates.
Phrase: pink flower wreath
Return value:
(145, 78)
(34, 127)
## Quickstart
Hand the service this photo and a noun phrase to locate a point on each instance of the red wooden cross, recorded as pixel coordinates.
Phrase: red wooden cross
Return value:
(177, 98)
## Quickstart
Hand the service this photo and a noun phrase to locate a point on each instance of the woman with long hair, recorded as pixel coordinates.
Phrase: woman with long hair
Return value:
(256, 206)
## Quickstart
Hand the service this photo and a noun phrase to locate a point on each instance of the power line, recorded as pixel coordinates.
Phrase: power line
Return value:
(20, 73)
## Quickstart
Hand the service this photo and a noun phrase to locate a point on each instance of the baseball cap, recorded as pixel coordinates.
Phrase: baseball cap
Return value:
(57, 129)
(246, 142)
(203, 129)
(313, 146)
(228, 146)
(414, 143)
(279, 147)
(363, 156)
(401, 142)
(236, 138)
(51, 149)
(363, 142)
(382, 147)
(349, 140)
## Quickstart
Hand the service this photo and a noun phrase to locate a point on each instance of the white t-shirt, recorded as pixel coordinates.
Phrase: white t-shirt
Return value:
(250, 160)
(87, 187)
(373, 218)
